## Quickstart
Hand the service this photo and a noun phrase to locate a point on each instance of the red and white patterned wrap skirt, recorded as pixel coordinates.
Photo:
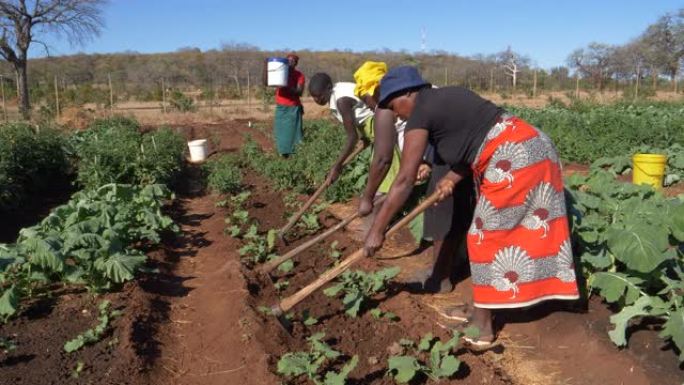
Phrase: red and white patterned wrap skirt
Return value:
(519, 240)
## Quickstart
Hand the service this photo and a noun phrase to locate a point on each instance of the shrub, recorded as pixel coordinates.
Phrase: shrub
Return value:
(224, 175)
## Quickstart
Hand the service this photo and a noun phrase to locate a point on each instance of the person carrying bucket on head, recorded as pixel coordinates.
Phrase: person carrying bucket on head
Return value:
(287, 127)
(519, 240)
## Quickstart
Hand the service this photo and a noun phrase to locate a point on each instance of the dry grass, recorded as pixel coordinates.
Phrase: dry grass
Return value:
(151, 113)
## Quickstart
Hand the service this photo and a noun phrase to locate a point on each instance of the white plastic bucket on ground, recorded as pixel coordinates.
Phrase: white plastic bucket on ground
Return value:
(277, 69)
(198, 150)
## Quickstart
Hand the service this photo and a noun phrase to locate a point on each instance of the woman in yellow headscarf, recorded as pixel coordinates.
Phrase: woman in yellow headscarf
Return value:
(385, 130)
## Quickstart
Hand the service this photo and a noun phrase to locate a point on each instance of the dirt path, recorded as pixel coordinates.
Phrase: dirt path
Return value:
(208, 337)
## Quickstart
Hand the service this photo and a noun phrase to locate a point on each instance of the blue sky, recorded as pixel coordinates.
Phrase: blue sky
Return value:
(546, 31)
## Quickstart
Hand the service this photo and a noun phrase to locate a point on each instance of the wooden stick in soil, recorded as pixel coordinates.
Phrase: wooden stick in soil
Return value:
(267, 267)
(288, 303)
(291, 222)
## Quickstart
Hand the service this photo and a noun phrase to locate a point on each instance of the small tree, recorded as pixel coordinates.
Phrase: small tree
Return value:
(21, 23)
(512, 64)
(666, 39)
(593, 62)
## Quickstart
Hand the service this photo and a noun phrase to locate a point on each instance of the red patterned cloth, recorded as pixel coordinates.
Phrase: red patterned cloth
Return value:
(519, 240)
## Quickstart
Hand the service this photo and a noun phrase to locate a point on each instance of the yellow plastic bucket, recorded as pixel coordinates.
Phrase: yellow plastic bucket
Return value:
(649, 169)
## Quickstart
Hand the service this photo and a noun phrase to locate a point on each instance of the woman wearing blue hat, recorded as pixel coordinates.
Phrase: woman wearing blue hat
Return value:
(518, 241)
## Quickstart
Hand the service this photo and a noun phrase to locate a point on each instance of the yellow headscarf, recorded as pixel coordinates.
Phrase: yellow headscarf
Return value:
(368, 77)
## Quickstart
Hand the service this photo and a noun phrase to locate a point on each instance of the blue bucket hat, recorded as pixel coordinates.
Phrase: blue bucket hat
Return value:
(398, 79)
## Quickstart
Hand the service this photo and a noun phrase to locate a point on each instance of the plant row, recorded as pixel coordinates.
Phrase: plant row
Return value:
(34, 158)
(31, 159)
(94, 240)
(307, 168)
(585, 134)
(356, 289)
(630, 241)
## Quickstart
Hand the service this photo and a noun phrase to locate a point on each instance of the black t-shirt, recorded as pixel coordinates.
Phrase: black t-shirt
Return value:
(457, 121)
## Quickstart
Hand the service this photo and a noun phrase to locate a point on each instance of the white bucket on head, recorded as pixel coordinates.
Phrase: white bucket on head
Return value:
(198, 150)
(277, 70)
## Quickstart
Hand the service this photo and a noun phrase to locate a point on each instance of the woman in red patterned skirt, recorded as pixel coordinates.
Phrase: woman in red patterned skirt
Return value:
(519, 240)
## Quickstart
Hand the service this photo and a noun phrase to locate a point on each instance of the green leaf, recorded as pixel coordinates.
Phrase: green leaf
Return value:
(425, 342)
(309, 320)
(271, 239)
(44, 253)
(416, 228)
(120, 267)
(674, 329)
(615, 286)
(9, 302)
(472, 332)
(265, 310)
(74, 344)
(600, 260)
(621, 319)
(234, 230)
(319, 346)
(332, 378)
(333, 290)
(286, 266)
(678, 222)
(640, 247)
(448, 367)
(403, 368)
(294, 364)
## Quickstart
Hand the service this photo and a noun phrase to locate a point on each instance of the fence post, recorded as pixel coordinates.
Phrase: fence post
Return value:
(111, 93)
(56, 97)
(163, 95)
(534, 85)
(577, 89)
(249, 97)
(491, 79)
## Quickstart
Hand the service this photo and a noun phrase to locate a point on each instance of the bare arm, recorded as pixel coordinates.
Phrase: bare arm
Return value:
(415, 142)
(298, 89)
(346, 108)
(384, 143)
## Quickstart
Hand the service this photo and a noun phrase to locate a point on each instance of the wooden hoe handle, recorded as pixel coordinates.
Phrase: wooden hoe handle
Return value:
(288, 303)
(267, 267)
(291, 222)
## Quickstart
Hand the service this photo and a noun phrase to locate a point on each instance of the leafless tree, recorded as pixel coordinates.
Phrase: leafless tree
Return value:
(512, 64)
(22, 23)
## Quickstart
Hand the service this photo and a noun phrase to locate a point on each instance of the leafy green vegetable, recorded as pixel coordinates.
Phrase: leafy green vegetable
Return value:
(358, 287)
(311, 363)
(87, 241)
(432, 358)
(115, 151)
(630, 242)
(95, 334)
